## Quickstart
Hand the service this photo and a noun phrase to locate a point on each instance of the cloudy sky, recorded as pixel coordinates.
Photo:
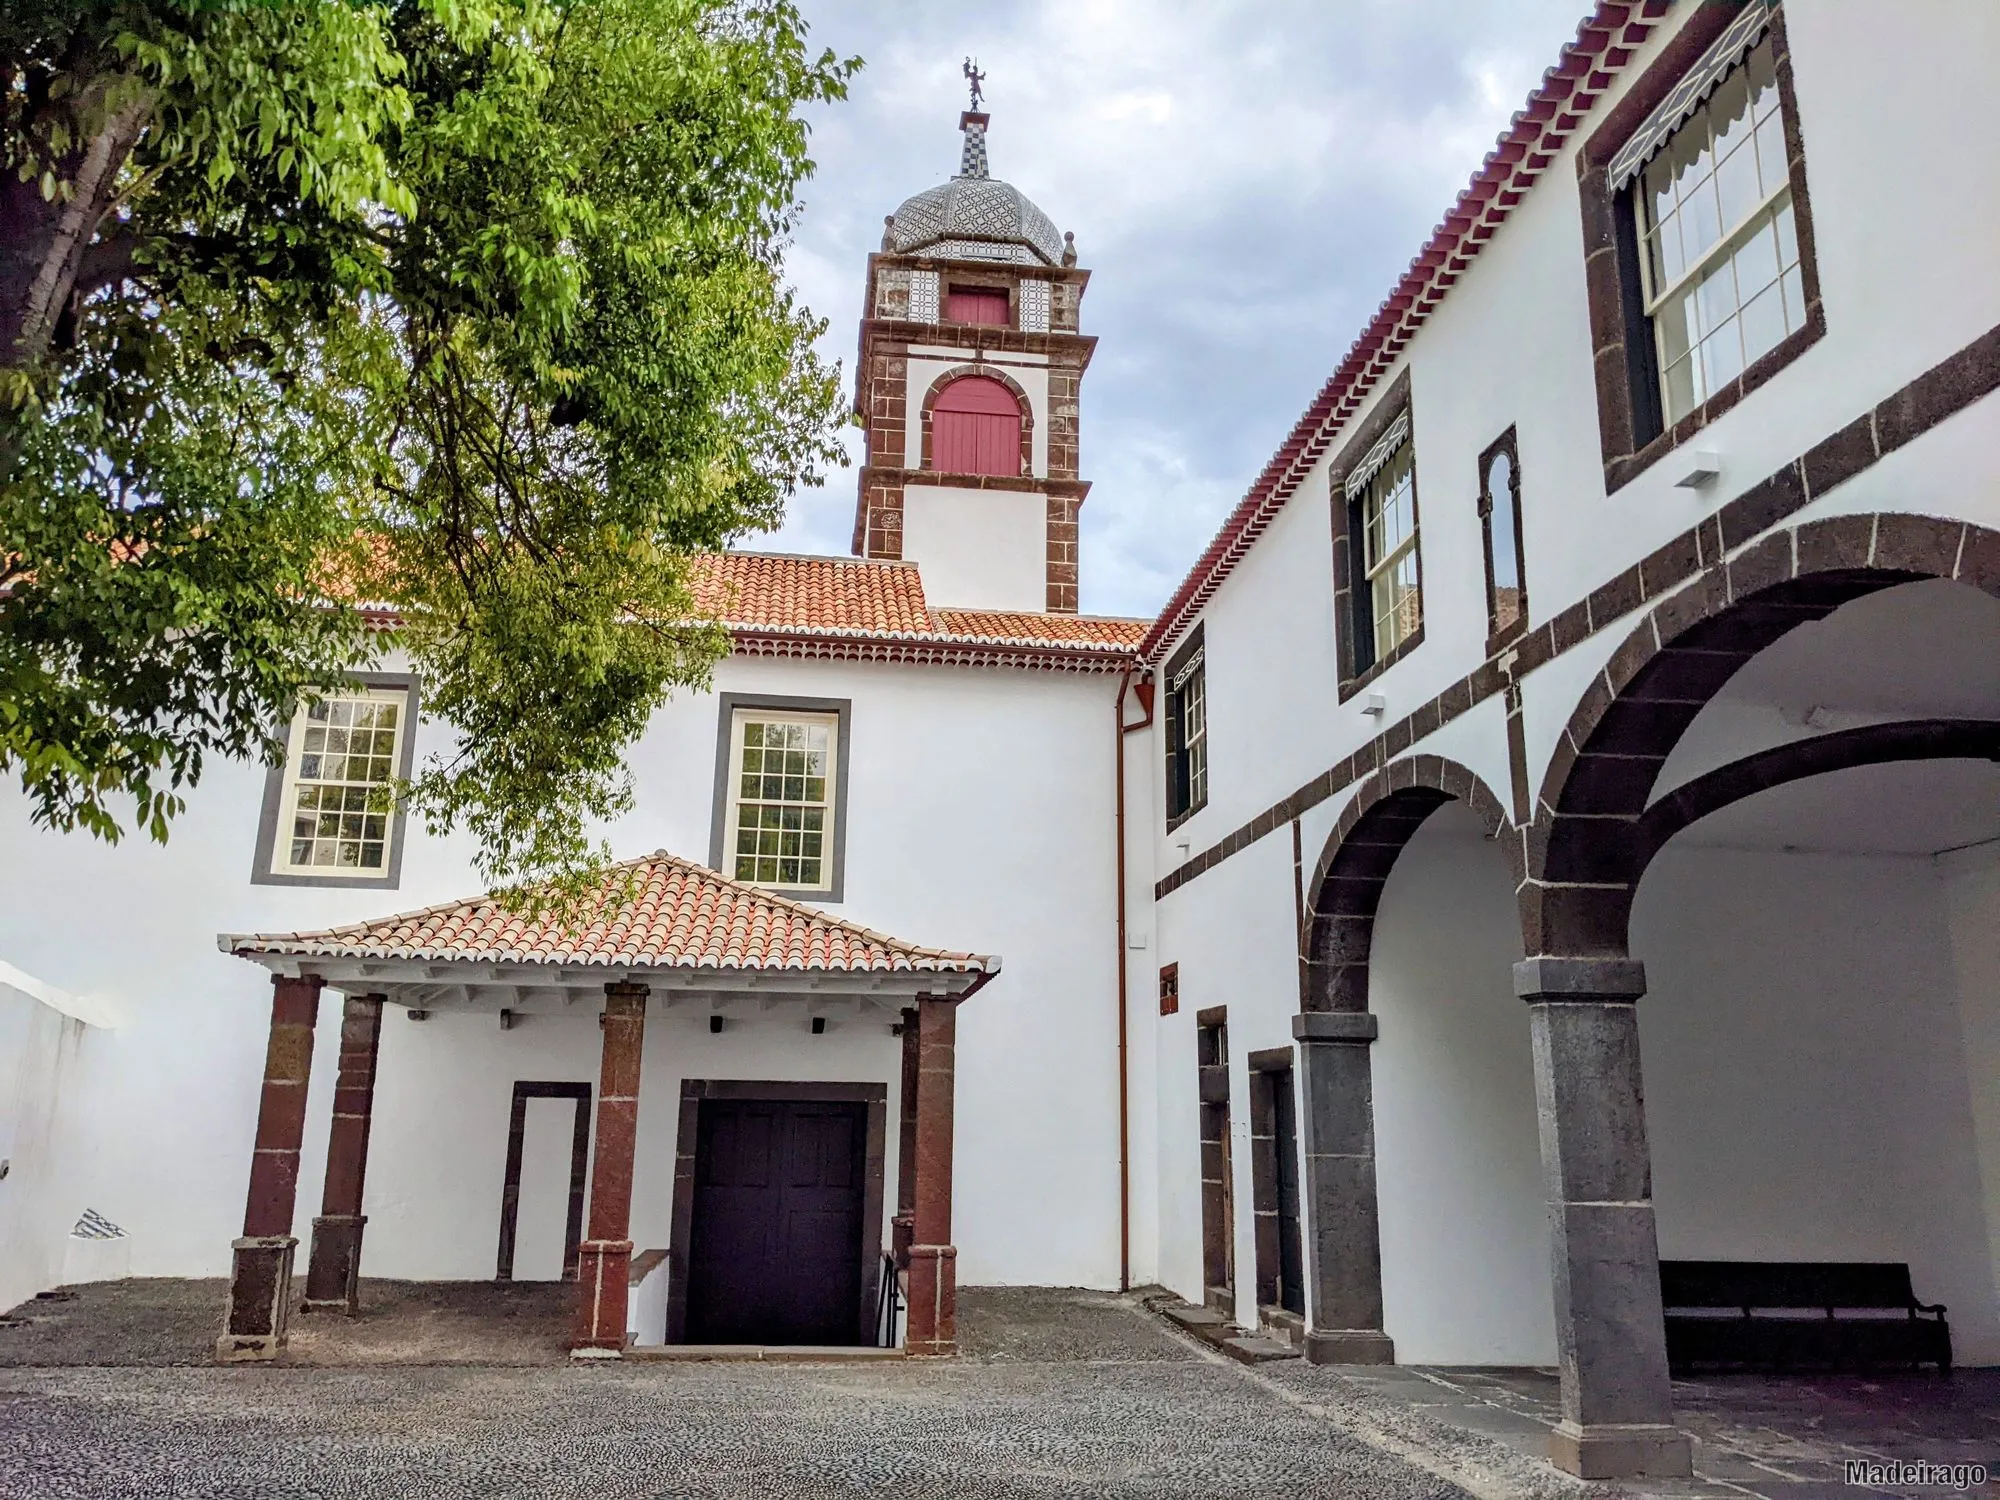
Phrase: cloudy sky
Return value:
(1245, 182)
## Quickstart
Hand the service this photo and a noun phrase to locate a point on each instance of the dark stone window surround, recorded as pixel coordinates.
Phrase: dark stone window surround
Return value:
(874, 1096)
(1170, 989)
(1956, 382)
(1621, 335)
(1347, 547)
(274, 797)
(980, 369)
(1507, 443)
(1170, 723)
(718, 827)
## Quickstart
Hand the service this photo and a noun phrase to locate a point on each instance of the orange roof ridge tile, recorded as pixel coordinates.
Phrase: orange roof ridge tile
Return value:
(681, 915)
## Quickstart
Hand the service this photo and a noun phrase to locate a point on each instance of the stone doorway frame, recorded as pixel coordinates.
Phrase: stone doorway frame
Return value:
(579, 1173)
(875, 1099)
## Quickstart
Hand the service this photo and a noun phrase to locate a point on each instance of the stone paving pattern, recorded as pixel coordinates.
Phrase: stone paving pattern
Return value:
(463, 1390)
(1063, 1394)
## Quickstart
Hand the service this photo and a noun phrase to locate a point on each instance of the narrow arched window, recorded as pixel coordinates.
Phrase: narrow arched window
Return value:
(976, 428)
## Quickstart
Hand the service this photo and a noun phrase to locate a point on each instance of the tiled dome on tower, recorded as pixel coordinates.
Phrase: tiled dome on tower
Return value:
(974, 216)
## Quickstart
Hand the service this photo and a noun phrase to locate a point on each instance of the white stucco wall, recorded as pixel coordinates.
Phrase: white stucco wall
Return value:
(1806, 1075)
(978, 549)
(980, 818)
(39, 1066)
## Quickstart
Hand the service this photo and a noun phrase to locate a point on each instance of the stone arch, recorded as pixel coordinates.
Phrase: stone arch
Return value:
(1347, 883)
(1334, 1030)
(1000, 377)
(1587, 847)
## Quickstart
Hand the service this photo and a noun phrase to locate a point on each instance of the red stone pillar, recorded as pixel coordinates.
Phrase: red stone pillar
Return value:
(902, 1228)
(933, 1321)
(260, 1285)
(604, 1260)
(333, 1273)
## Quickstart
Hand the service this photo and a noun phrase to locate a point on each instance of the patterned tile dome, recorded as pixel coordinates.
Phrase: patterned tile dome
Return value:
(974, 216)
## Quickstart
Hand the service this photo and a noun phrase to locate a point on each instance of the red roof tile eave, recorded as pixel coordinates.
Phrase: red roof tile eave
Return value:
(1605, 42)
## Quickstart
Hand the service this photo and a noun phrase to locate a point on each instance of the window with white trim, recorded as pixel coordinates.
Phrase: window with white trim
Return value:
(783, 798)
(1393, 594)
(336, 815)
(1719, 242)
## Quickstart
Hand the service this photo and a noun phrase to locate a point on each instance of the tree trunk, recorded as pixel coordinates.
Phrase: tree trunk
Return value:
(43, 241)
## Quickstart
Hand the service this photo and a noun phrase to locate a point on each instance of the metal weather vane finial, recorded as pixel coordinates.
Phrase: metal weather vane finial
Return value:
(975, 78)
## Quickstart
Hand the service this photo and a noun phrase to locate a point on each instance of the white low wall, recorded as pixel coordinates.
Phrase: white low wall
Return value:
(39, 1062)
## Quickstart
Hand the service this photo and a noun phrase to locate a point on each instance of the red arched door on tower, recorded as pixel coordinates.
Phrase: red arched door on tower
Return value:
(976, 428)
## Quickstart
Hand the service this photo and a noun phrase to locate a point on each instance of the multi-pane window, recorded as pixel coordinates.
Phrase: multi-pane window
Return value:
(783, 779)
(1389, 546)
(1187, 731)
(1719, 242)
(337, 815)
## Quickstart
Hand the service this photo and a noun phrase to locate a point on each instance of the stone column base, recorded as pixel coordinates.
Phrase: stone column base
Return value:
(1611, 1450)
(333, 1269)
(932, 1324)
(1349, 1346)
(603, 1276)
(260, 1298)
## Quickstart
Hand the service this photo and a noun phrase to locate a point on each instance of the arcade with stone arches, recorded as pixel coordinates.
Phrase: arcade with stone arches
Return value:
(1729, 995)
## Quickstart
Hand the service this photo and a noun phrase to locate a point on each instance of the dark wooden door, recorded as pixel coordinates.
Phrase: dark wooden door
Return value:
(775, 1250)
(1291, 1264)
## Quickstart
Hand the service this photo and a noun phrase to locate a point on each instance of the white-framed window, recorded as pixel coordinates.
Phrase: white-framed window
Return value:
(1389, 552)
(783, 798)
(335, 814)
(1719, 245)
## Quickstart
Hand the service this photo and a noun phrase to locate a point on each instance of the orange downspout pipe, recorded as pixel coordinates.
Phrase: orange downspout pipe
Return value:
(1124, 1046)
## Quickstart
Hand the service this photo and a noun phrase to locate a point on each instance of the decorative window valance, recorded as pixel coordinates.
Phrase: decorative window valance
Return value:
(1696, 85)
(1186, 670)
(1384, 450)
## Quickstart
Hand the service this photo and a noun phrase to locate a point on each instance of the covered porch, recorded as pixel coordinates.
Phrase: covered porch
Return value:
(770, 1221)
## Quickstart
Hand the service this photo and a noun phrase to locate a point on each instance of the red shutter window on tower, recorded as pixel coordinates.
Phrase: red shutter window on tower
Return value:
(977, 304)
(976, 428)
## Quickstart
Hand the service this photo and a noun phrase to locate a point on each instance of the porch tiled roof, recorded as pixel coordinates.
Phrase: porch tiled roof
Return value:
(659, 912)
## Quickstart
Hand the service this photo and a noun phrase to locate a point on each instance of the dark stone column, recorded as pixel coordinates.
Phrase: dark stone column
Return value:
(1343, 1243)
(260, 1283)
(1617, 1407)
(933, 1319)
(604, 1260)
(902, 1228)
(333, 1273)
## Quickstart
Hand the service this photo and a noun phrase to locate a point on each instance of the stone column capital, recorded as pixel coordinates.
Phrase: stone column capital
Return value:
(1356, 1027)
(1556, 980)
(627, 989)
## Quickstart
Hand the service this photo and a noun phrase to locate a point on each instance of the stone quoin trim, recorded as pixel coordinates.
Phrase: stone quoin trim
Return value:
(1581, 854)
(1945, 389)
(1605, 43)
(1367, 839)
(1621, 342)
(986, 372)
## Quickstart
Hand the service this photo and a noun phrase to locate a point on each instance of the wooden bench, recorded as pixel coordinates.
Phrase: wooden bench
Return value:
(1725, 1312)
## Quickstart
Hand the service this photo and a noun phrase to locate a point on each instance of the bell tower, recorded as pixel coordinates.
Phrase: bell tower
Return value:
(967, 385)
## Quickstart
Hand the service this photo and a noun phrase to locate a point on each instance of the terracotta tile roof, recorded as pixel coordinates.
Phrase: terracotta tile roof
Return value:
(1009, 625)
(775, 591)
(675, 914)
(1605, 42)
(761, 596)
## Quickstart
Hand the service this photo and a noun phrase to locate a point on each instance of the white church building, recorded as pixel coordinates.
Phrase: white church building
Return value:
(1551, 834)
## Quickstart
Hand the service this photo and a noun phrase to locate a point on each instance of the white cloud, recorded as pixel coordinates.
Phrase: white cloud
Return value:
(1245, 181)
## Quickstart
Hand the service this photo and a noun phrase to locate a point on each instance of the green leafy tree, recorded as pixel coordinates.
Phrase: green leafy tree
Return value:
(463, 314)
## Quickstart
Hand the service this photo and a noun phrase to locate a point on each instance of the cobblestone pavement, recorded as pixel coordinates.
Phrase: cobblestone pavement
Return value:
(1757, 1437)
(1061, 1394)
